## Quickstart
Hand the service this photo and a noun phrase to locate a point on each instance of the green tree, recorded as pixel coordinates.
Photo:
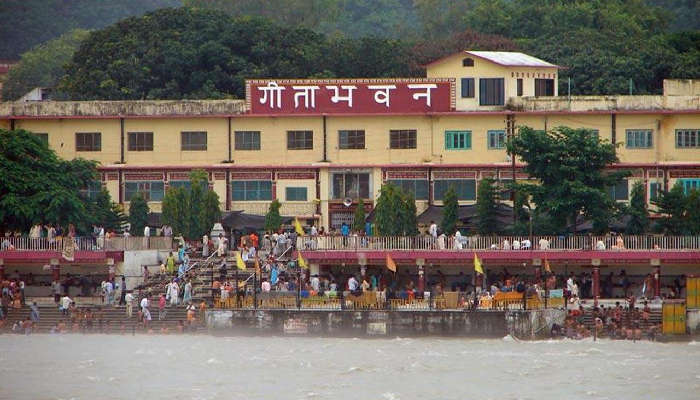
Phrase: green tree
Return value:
(521, 208)
(358, 223)
(693, 212)
(672, 205)
(572, 167)
(395, 212)
(639, 215)
(138, 214)
(107, 213)
(191, 210)
(409, 223)
(36, 186)
(273, 219)
(42, 66)
(450, 210)
(487, 207)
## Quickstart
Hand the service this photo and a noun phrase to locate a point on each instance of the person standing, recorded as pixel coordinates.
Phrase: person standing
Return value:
(188, 293)
(56, 287)
(129, 299)
(146, 236)
(146, 313)
(170, 263)
(122, 295)
(433, 230)
(173, 293)
(161, 307)
(34, 314)
(221, 250)
(205, 246)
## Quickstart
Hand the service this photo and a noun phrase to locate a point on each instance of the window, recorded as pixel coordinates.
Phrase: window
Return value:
(465, 188)
(417, 187)
(654, 189)
(496, 139)
(351, 184)
(402, 139)
(690, 185)
(491, 92)
(544, 87)
(467, 87)
(140, 141)
(186, 184)
(639, 139)
(252, 190)
(194, 141)
(295, 194)
(520, 86)
(300, 140)
(247, 140)
(688, 138)
(92, 190)
(351, 139)
(150, 190)
(467, 62)
(44, 137)
(620, 191)
(458, 140)
(88, 141)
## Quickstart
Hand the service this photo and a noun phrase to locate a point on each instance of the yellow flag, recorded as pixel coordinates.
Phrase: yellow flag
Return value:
(239, 261)
(546, 266)
(477, 265)
(301, 261)
(297, 227)
(390, 264)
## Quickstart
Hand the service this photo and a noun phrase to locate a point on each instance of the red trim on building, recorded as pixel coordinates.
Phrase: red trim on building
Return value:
(38, 256)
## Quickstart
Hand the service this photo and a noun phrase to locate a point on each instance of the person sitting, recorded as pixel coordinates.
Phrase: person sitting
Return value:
(544, 244)
(506, 245)
(526, 244)
(516, 245)
(600, 245)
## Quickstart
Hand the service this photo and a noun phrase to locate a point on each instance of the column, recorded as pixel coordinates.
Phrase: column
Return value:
(596, 284)
(55, 270)
(2, 269)
(421, 276)
(657, 281)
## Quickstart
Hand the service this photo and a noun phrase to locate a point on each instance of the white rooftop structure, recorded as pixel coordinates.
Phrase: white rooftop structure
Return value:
(511, 59)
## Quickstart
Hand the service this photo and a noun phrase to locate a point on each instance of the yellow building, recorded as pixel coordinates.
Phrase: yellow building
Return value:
(317, 144)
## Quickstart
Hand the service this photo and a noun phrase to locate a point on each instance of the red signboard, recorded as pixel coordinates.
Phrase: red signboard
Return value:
(350, 96)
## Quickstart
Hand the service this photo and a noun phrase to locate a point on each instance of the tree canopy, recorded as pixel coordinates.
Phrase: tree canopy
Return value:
(36, 186)
(138, 214)
(487, 207)
(572, 167)
(42, 66)
(191, 210)
(27, 23)
(395, 212)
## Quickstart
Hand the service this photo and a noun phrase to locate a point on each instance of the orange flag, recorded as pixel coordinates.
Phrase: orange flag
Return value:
(390, 264)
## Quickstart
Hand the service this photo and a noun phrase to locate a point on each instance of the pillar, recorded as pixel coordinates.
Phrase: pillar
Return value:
(55, 270)
(596, 284)
(2, 269)
(110, 269)
(315, 269)
(538, 274)
(657, 281)
(421, 275)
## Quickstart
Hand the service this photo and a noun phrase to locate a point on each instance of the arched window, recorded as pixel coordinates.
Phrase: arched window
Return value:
(468, 62)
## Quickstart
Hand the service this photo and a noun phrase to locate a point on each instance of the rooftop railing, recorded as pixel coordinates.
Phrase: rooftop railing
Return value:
(515, 243)
(24, 243)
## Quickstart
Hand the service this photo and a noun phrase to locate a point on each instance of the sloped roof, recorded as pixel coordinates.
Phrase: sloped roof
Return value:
(504, 58)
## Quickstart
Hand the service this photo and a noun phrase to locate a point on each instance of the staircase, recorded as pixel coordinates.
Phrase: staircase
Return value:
(655, 318)
(112, 317)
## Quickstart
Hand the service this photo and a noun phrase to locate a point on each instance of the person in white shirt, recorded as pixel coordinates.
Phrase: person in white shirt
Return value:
(129, 299)
(315, 283)
(458, 241)
(221, 248)
(265, 285)
(544, 244)
(205, 246)
(147, 231)
(145, 311)
(516, 245)
(65, 304)
(600, 245)
(506, 245)
(353, 284)
(526, 244)
(314, 231)
(433, 229)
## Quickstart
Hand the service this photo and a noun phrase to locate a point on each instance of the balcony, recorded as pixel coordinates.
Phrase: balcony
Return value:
(583, 250)
(287, 208)
(604, 103)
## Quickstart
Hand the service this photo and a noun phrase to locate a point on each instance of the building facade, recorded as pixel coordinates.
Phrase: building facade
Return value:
(319, 145)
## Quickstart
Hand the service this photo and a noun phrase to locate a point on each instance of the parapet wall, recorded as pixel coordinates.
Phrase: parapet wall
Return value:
(604, 103)
(358, 323)
(135, 108)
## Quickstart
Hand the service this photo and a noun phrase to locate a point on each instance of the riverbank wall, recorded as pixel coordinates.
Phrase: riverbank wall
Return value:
(521, 324)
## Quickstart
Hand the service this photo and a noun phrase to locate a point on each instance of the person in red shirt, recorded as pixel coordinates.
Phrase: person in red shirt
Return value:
(254, 240)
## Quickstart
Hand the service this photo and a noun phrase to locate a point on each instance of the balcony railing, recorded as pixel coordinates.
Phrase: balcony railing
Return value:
(25, 243)
(514, 243)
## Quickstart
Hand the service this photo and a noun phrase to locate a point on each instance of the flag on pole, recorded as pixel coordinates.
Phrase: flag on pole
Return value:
(301, 261)
(477, 265)
(390, 264)
(297, 227)
(239, 261)
(547, 268)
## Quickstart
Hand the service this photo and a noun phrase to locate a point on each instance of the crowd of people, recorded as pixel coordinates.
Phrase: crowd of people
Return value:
(627, 322)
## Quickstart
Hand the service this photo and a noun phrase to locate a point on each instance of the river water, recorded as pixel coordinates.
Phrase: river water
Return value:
(208, 367)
